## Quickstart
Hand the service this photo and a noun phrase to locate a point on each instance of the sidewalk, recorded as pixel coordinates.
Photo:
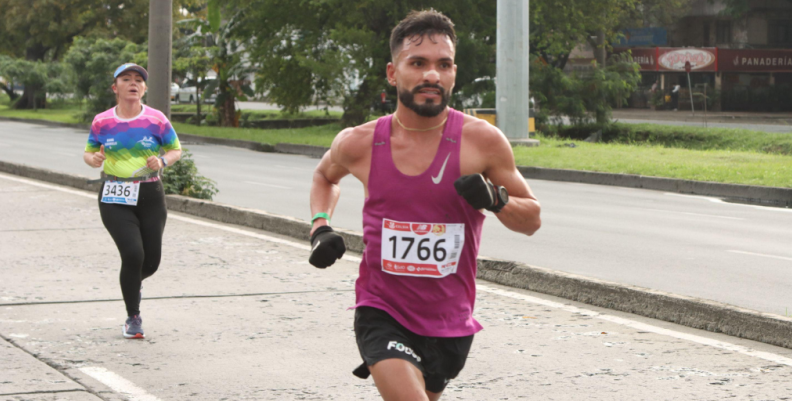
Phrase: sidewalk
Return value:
(239, 314)
(686, 115)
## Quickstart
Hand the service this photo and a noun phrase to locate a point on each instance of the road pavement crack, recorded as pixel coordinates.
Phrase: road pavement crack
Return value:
(52, 229)
(43, 392)
(60, 369)
(256, 294)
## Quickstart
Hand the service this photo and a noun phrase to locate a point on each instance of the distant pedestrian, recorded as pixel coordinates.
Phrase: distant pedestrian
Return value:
(127, 140)
(675, 97)
(384, 104)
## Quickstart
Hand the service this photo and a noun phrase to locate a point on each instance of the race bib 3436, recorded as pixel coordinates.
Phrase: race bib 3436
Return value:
(124, 193)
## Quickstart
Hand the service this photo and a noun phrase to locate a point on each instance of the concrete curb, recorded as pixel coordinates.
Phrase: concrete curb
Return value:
(770, 196)
(767, 196)
(693, 312)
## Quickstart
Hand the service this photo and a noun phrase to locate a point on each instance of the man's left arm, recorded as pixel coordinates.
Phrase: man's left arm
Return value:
(522, 212)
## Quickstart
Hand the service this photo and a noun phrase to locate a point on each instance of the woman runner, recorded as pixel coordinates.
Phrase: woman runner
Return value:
(127, 139)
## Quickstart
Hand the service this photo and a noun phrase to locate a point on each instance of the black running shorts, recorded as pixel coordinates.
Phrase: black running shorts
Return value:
(380, 337)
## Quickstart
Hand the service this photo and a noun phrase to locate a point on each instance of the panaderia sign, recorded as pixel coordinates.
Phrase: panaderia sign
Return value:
(673, 59)
(755, 60)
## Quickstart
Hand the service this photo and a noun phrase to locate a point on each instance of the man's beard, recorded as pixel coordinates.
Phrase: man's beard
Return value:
(428, 109)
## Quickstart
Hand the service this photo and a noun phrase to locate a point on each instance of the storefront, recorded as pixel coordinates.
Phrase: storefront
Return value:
(733, 80)
(755, 80)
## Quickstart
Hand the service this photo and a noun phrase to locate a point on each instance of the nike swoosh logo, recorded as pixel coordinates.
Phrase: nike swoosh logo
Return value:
(316, 246)
(439, 177)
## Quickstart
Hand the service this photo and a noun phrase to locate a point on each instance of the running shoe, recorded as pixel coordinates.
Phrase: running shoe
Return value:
(133, 328)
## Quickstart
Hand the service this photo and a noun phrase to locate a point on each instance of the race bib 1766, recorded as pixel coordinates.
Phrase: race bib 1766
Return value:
(124, 193)
(421, 249)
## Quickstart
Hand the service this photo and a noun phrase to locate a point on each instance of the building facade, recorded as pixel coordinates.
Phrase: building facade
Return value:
(742, 63)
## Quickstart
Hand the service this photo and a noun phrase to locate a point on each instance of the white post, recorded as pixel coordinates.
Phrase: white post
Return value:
(160, 54)
(690, 89)
(511, 93)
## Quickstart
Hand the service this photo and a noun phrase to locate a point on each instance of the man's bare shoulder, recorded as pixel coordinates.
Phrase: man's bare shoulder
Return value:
(354, 142)
(483, 135)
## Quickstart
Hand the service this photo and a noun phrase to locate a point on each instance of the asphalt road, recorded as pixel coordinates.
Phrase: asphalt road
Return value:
(238, 314)
(687, 245)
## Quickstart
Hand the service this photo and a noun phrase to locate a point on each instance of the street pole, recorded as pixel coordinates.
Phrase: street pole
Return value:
(511, 93)
(160, 54)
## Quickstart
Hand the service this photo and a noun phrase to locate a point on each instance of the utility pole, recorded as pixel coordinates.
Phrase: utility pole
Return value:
(511, 93)
(160, 54)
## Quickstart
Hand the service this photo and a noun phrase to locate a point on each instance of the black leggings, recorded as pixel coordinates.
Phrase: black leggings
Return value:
(137, 232)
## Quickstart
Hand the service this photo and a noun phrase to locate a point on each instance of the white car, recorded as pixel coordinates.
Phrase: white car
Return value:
(174, 91)
(187, 93)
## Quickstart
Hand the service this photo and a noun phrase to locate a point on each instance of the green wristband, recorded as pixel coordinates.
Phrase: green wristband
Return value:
(321, 216)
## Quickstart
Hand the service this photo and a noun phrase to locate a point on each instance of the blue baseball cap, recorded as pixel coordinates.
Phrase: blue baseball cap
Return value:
(131, 67)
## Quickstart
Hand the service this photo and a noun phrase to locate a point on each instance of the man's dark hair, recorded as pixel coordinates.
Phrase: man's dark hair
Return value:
(420, 24)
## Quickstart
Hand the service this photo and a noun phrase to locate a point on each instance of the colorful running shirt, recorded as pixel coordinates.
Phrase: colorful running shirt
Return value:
(129, 142)
(421, 239)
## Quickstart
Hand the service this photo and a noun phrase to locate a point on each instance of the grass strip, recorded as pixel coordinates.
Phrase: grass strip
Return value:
(694, 138)
(59, 115)
(726, 166)
(321, 135)
(260, 114)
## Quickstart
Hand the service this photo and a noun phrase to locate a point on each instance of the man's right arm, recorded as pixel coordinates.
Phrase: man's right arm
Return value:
(325, 190)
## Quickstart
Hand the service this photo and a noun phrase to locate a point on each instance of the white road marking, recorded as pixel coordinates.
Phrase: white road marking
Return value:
(775, 358)
(691, 214)
(761, 254)
(722, 202)
(266, 185)
(510, 294)
(118, 384)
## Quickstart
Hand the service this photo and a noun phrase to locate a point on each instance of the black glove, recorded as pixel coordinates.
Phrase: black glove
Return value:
(326, 247)
(477, 191)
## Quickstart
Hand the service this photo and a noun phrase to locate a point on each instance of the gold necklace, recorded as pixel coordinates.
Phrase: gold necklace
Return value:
(419, 129)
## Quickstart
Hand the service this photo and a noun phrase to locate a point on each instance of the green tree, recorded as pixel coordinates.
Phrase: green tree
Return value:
(311, 51)
(53, 77)
(193, 60)
(94, 60)
(226, 58)
(43, 30)
(583, 97)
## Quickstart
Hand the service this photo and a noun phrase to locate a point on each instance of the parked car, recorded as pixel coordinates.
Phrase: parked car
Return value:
(188, 93)
(174, 91)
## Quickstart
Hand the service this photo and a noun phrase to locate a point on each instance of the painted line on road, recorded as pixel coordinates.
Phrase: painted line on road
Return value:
(266, 185)
(691, 214)
(775, 358)
(622, 321)
(760, 254)
(118, 384)
(722, 202)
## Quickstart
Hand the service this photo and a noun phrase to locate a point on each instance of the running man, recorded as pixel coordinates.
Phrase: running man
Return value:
(428, 170)
(127, 139)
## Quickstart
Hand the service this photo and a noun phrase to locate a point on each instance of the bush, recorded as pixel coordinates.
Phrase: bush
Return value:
(183, 179)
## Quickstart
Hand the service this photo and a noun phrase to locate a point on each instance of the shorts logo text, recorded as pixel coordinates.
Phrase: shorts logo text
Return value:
(401, 348)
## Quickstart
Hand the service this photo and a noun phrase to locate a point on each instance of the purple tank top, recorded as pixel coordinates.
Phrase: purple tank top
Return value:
(422, 240)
